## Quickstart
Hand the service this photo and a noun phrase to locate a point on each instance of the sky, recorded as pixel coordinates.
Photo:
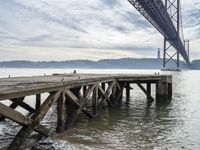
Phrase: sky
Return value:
(43, 30)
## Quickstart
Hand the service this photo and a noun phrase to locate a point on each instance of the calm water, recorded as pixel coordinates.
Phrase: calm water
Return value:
(134, 126)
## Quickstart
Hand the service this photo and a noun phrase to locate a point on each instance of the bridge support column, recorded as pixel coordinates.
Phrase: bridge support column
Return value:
(168, 54)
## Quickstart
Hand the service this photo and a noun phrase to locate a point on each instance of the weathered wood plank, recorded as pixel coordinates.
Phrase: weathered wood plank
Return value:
(19, 118)
(15, 103)
(24, 86)
(14, 115)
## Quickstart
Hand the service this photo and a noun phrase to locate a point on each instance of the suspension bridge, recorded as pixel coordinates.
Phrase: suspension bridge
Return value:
(166, 17)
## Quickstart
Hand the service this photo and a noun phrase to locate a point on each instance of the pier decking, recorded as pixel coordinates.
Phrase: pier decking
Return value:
(73, 94)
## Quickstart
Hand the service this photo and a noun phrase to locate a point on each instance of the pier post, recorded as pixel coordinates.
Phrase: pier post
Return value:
(38, 101)
(84, 89)
(71, 110)
(95, 101)
(103, 85)
(113, 95)
(127, 92)
(148, 90)
(119, 93)
(162, 90)
(170, 91)
(61, 113)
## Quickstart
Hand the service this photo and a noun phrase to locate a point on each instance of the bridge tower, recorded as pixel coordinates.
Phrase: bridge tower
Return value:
(170, 53)
(187, 47)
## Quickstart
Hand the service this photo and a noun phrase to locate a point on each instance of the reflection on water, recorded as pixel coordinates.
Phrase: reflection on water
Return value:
(141, 126)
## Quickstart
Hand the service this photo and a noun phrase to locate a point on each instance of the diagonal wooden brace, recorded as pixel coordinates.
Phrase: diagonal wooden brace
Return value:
(35, 124)
(151, 99)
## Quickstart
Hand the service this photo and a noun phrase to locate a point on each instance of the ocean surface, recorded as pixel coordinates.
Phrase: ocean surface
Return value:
(175, 125)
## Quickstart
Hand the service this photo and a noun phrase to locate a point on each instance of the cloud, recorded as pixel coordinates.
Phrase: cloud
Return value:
(86, 29)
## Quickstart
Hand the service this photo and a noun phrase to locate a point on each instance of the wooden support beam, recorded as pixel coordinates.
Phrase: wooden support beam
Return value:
(14, 115)
(38, 101)
(128, 92)
(106, 95)
(84, 89)
(95, 101)
(75, 106)
(162, 91)
(148, 90)
(74, 100)
(23, 134)
(113, 94)
(20, 118)
(42, 130)
(71, 113)
(151, 99)
(25, 106)
(89, 92)
(169, 91)
(103, 85)
(61, 113)
(15, 103)
(120, 92)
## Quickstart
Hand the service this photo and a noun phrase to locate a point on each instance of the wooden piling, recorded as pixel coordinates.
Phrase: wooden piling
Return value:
(127, 92)
(170, 91)
(113, 97)
(103, 85)
(71, 108)
(61, 113)
(148, 90)
(95, 101)
(38, 101)
(163, 90)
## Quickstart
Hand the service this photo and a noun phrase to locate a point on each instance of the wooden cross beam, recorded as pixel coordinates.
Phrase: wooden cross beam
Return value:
(14, 115)
(106, 95)
(151, 99)
(77, 103)
(19, 102)
(119, 92)
(75, 100)
(15, 103)
(24, 105)
(35, 124)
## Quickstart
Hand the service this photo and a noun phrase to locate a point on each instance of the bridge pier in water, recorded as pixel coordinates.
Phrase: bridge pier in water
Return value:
(72, 94)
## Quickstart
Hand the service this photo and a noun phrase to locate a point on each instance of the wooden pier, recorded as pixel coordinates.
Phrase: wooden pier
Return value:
(73, 94)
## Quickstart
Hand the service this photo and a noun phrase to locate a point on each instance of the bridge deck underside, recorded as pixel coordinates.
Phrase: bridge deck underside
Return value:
(155, 12)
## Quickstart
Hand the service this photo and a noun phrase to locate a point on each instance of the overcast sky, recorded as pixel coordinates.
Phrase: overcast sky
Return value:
(84, 29)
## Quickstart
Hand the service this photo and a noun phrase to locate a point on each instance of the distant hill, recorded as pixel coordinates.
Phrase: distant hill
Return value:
(123, 63)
